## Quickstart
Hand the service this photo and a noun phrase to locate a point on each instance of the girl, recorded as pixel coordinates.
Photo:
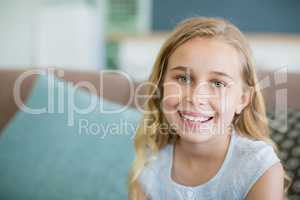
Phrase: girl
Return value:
(204, 134)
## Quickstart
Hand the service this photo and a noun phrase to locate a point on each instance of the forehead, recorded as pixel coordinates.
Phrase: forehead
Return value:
(203, 55)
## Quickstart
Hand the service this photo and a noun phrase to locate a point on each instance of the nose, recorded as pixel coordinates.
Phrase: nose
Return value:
(200, 94)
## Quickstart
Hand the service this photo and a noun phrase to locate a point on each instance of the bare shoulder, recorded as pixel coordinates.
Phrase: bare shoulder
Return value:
(270, 185)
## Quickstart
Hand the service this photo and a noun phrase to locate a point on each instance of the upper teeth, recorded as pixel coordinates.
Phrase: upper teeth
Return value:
(196, 119)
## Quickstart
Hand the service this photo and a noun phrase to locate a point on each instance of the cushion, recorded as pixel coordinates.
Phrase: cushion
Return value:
(285, 131)
(66, 153)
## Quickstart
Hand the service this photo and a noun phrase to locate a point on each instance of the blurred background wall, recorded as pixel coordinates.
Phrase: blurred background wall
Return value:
(250, 16)
(127, 34)
(65, 33)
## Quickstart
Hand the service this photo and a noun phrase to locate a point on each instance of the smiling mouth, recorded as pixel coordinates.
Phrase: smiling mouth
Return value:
(195, 120)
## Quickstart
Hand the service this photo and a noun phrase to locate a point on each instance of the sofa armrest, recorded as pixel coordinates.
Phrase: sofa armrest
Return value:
(112, 86)
(8, 106)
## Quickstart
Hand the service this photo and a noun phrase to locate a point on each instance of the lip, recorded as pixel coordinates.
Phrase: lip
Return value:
(194, 114)
(194, 124)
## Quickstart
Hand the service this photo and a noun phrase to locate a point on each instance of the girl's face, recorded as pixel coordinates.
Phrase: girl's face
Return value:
(203, 89)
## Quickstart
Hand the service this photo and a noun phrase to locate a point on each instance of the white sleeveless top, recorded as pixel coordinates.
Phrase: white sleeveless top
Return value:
(245, 162)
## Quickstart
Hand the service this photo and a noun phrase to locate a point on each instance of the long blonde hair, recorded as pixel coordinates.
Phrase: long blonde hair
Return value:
(251, 122)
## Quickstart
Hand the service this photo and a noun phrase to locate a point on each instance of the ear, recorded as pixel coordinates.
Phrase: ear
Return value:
(245, 99)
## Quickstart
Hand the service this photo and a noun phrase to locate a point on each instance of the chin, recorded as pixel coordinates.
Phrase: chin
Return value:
(196, 137)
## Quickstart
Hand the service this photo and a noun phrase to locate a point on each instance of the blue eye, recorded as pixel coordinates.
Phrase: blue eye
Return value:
(184, 79)
(219, 84)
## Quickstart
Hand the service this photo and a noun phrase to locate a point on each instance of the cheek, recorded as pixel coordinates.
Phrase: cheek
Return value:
(170, 102)
(171, 96)
(225, 102)
(226, 108)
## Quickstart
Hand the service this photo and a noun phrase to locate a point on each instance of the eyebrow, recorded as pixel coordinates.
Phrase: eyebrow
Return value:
(184, 68)
(221, 74)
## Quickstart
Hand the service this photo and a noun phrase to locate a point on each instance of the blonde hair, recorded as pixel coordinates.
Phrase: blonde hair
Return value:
(251, 122)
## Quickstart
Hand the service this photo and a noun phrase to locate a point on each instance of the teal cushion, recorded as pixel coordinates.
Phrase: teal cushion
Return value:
(60, 154)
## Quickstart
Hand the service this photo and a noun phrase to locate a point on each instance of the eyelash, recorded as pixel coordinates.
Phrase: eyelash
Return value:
(179, 77)
(222, 82)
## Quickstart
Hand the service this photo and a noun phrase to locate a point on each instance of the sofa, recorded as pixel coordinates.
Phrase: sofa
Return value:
(50, 152)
